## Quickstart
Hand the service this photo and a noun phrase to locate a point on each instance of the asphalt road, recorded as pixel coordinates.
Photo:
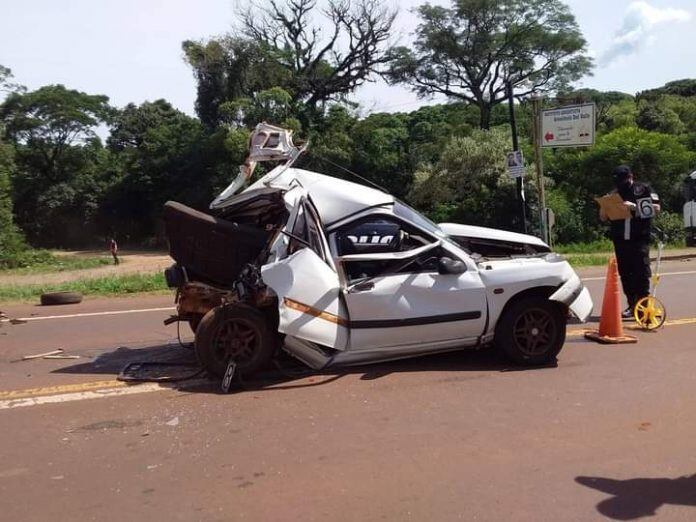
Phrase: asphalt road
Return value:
(607, 434)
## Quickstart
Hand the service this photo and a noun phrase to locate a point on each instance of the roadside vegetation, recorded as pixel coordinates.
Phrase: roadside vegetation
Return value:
(102, 286)
(62, 186)
(42, 261)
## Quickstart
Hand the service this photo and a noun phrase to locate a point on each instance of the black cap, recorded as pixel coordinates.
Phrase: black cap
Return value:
(621, 172)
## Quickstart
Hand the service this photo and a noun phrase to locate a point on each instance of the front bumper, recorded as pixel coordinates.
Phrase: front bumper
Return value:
(576, 297)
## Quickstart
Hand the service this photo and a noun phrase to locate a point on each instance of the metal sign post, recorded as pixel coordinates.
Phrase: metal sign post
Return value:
(539, 163)
(519, 175)
(570, 126)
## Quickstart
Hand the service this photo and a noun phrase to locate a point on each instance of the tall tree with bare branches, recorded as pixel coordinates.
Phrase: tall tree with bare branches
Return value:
(315, 52)
(473, 49)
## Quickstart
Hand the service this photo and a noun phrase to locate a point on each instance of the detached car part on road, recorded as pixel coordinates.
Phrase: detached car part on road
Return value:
(337, 273)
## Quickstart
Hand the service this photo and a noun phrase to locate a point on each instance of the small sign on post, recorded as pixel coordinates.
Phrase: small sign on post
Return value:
(570, 126)
(515, 164)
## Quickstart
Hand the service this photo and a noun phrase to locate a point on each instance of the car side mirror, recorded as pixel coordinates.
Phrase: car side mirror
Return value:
(447, 265)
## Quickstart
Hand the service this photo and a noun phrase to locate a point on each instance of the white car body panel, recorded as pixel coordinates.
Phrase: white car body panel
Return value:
(334, 198)
(305, 280)
(514, 276)
(455, 229)
(427, 306)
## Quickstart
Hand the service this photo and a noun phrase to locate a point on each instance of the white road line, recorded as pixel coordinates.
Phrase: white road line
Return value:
(94, 314)
(661, 275)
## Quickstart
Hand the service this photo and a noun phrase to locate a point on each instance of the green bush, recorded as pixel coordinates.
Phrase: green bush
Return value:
(26, 257)
(469, 184)
(672, 225)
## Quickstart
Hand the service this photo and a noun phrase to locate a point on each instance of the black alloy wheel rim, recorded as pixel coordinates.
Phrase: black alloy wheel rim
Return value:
(534, 331)
(236, 339)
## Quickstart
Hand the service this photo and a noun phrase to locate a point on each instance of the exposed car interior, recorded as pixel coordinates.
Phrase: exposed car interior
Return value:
(381, 235)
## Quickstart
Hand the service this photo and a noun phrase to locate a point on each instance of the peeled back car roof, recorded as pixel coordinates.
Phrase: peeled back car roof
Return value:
(334, 198)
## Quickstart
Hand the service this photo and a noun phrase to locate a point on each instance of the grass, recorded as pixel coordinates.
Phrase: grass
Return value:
(59, 264)
(593, 247)
(36, 261)
(584, 260)
(103, 286)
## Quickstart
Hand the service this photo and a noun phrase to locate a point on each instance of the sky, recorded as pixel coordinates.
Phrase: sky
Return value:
(130, 50)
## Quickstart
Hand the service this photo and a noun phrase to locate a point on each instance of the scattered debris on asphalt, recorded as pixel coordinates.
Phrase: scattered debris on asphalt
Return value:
(53, 354)
(59, 351)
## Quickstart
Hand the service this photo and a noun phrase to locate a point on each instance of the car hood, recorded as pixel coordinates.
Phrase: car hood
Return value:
(494, 234)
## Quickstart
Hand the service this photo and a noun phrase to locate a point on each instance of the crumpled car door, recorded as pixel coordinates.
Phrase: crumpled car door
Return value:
(307, 286)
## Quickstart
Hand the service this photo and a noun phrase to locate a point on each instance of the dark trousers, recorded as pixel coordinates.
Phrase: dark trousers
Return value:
(633, 258)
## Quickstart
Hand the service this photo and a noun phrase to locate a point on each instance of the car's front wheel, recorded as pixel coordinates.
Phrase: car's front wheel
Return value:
(531, 331)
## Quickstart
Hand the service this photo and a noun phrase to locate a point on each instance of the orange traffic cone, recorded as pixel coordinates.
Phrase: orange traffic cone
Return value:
(610, 325)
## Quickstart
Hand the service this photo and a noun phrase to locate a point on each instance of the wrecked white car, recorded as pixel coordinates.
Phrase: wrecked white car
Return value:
(337, 273)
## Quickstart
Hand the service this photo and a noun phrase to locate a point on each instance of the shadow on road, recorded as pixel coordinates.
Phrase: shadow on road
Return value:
(641, 497)
(287, 372)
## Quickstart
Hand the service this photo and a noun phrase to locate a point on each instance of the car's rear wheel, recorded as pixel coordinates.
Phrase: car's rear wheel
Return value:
(194, 321)
(531, 331)
(238, 333)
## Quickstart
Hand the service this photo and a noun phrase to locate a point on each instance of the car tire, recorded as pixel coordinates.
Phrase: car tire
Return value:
(531, 331)
(60, 298)
(234, 331)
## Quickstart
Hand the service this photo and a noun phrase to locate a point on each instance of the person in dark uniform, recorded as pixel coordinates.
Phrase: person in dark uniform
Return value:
(631, 236)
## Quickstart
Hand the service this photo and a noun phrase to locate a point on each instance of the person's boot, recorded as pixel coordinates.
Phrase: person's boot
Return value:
(627, 314)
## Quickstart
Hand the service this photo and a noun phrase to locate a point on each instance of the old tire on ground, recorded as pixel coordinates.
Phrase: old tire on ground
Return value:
(531, 331)
(61, 298)
(236, 331)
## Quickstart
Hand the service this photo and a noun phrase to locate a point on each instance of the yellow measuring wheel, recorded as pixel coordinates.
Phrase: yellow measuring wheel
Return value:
(649, 311)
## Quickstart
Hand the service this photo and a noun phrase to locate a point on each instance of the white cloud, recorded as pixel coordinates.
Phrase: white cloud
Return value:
(638, 28)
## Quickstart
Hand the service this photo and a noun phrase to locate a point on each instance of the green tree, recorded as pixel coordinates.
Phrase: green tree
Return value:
(57, 180)
(6, 85)
(469, 184)
(11, 241)
(160, 154)
(659, 117)
(229, 69)
(472, 50)
(685, 88)
(381, 153)
(621, 114)
(604, 102)
(432, 126)
(50, 120)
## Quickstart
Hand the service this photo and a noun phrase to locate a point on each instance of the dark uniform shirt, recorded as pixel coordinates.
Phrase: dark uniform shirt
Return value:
(637, 227)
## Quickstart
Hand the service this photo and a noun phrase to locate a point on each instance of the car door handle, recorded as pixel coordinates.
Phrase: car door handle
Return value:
(365, 286)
